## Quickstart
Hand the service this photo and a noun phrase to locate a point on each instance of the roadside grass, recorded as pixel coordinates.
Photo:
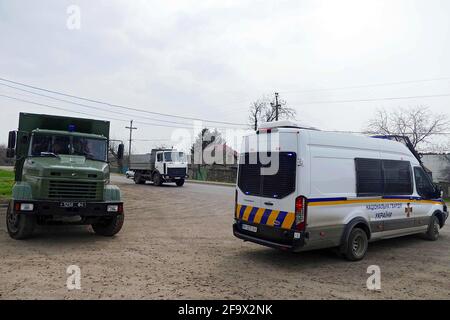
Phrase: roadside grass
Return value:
(6, 184)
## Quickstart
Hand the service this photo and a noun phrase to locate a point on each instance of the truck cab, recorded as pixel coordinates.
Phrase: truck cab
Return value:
(62, 176)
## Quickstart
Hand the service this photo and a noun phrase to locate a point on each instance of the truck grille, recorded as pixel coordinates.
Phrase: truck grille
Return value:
(74, 190)
(176, 172)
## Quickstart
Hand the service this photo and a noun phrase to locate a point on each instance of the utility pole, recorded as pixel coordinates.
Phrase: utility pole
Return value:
(277, 107)
(131, 139)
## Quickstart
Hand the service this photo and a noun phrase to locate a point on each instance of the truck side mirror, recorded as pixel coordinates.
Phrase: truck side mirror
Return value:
(120, 151)
(12, 140)
(11, 152)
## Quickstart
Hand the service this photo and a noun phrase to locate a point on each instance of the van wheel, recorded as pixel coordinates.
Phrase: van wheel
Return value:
(20, 226)
(180, 183)
(357, 245)
(109, 227)
(432, 233)
(157, 180)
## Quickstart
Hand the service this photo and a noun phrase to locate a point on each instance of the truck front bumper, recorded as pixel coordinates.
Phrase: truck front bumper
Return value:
(271, 237)
(62, 208)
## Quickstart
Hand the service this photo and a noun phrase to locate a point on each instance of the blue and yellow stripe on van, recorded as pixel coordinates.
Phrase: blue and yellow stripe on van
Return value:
(385, 199)
(272, 218)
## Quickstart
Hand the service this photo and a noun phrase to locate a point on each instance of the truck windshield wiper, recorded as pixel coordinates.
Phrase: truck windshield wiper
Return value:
(50, 154)
(91, 157)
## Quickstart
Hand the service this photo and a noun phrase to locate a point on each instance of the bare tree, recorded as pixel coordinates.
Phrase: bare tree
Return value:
(112, 149)
(4, 161)
(417, 123)
(205, 138)
(263, 110)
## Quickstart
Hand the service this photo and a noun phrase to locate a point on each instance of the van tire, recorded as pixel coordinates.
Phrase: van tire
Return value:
(356, 246)
(157, 179)
(20, 226)
(432, 233)
(110, 227)
(180, 182)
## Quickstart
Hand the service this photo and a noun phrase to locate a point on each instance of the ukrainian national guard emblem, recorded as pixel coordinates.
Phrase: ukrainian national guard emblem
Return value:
(408, 210)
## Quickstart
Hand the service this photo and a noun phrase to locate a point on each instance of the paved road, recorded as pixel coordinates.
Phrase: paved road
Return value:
(177, 243)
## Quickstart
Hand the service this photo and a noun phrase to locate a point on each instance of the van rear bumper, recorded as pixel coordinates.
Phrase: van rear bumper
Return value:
(266, 238)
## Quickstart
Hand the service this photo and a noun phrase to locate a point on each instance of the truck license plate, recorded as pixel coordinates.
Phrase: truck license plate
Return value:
(72, 204)
(249, 228)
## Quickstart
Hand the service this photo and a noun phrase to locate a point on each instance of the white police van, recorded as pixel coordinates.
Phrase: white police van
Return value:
(301, 189)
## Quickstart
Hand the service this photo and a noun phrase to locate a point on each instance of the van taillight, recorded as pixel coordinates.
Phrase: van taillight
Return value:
(300, 213)
(235, 203)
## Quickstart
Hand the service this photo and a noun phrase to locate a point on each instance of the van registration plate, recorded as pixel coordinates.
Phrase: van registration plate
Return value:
(249, 228)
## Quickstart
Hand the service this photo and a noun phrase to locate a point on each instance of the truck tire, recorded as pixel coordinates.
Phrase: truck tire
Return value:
(138, 179)
(432, 233)
(180, 182)
(110, 227)
(20, 226)
(157, 179)
(357, 245)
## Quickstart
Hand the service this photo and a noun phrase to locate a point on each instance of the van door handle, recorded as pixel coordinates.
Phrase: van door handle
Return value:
(268, 203)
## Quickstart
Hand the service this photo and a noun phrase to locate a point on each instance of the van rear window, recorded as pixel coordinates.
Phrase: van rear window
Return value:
(277, 186)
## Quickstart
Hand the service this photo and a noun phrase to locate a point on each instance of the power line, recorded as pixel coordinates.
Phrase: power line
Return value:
(367, 85)
(378, 99)
(119, 106)
(94, 115)
(88, 106)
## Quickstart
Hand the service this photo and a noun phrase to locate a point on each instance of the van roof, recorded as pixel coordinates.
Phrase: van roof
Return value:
(344, 140)
(285, 124)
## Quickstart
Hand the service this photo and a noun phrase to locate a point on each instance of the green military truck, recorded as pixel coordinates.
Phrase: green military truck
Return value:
(62, 175)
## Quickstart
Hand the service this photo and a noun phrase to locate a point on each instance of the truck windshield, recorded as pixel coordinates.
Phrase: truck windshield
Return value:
(174, 156)
(45, 145)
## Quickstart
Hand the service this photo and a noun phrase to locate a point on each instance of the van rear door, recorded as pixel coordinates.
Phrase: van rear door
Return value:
(248, 198)
(269, 185)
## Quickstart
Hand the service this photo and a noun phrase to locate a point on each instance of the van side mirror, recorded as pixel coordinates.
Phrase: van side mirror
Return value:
(438, 192)
(12, 140)
(120, 151)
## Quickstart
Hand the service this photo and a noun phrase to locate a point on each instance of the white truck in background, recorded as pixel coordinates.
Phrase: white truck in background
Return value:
(159, 166)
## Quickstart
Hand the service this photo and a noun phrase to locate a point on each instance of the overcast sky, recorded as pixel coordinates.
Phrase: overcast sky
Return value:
(211, 59)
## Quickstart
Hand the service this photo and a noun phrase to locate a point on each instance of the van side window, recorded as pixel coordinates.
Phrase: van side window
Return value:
(423, 184)
(369, 177)
(376, 177)
(397, 177)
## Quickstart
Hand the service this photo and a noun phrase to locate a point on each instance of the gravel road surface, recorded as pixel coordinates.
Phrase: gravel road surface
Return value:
(177, 243)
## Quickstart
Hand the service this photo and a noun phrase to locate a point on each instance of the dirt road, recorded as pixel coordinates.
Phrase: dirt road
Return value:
(177, 243)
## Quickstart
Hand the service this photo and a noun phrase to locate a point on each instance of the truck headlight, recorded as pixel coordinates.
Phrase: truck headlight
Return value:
(117, 208)
(26, 207)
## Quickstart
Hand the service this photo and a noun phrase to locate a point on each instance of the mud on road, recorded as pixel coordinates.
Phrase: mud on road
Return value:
(177, 243)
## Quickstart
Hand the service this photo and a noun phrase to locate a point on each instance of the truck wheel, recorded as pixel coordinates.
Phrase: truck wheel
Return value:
(432, 233)
(180, 183)
(109, 227)
(138, 179)
(157, 179)
(20, 226)
(357, 245)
